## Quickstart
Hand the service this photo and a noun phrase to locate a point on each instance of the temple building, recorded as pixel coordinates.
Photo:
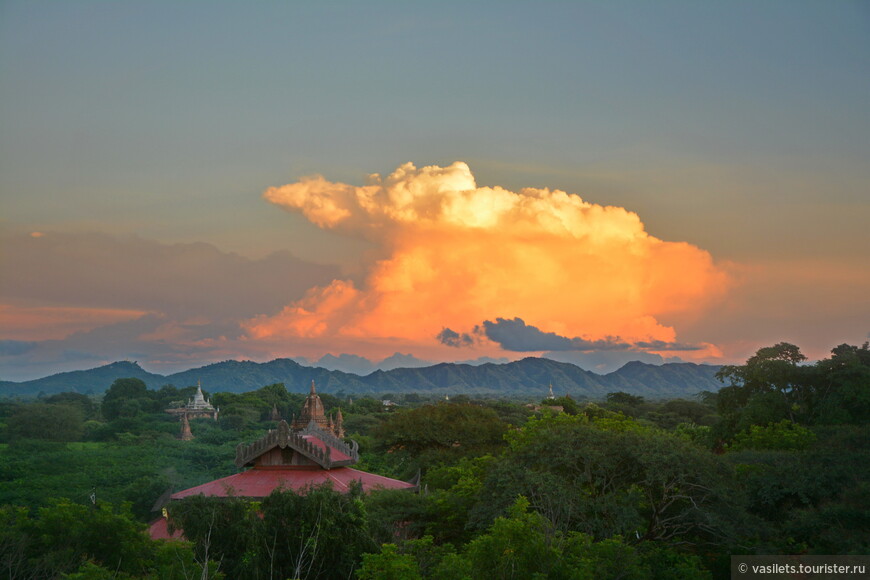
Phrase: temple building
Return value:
(312, 410)
(289, 457)
(197, 407)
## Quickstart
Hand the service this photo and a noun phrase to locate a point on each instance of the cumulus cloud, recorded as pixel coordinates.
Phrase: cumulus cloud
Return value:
(457, 254)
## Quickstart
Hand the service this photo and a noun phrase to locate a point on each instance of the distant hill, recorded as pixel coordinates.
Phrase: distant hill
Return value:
(526, 377)
(92, 381)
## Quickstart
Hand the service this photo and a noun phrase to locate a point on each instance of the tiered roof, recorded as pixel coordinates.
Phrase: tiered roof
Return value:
(310, 446)
(288, 460)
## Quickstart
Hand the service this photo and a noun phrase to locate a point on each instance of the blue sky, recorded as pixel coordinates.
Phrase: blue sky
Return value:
(742, 128)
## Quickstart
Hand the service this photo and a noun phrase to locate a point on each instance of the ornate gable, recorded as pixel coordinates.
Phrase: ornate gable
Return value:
(310, 447)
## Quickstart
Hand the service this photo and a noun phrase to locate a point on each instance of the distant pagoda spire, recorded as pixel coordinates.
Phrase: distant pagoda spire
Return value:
(312, 410)
(186, 434)
(197, 407)
(339, 424)
(551, 395)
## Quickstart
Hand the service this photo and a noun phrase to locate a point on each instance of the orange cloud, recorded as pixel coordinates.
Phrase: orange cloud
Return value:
(458, 255)
(47, 322)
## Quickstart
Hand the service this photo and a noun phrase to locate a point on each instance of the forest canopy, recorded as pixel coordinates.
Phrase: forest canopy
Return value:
(777, 461)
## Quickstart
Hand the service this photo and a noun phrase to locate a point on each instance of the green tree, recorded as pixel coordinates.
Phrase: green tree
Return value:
(127, 398)
(526, 545)
(431, 434)
(774, 384)
(321, 534)
(395, 514)
(221, 529)
(676, 411)
(844, 385)
(84, 403)
(626, 399)
(275, 394)
(46, 422)
(568, 404)
(453, 492)
(772, 372)
(65, 534)
(809, 498)
(69, 540)
(388, 564)
(784, 435)
(517, 546)
(609, 477)
(366, 406)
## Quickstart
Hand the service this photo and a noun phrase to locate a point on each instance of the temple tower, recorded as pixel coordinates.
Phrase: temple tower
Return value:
(312, 410)
(197, 407)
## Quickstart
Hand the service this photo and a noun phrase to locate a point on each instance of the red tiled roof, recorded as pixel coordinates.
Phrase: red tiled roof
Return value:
(159, 530)
(260, 482)
(334, 454)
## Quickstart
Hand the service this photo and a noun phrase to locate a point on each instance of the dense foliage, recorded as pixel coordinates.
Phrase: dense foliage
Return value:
(777, 461)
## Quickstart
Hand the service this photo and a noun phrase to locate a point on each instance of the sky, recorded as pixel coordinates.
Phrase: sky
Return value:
(386, 183)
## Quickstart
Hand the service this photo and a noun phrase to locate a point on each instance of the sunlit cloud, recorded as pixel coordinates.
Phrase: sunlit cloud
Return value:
(459, 255)
(50, 322)
(76, 298)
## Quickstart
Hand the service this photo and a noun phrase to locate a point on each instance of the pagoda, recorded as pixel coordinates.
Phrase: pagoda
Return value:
(197, 407)
(313, 410)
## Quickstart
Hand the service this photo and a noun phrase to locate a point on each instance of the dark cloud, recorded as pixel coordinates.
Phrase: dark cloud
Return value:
(16, 347)
(662, 345)
(517, 336)
(452, 338)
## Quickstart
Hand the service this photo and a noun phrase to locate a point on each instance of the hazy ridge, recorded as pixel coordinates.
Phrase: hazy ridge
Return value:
(526, 377)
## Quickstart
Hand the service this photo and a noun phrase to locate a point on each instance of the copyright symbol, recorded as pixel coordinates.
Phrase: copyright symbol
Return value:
(742, 568)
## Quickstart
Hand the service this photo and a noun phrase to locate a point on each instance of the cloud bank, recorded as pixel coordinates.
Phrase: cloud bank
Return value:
(72, 299)
(459, 256)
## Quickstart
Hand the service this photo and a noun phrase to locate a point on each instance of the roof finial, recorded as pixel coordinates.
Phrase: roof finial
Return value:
(313, 392)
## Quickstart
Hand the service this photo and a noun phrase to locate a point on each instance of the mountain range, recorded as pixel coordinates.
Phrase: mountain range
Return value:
(529, 377)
